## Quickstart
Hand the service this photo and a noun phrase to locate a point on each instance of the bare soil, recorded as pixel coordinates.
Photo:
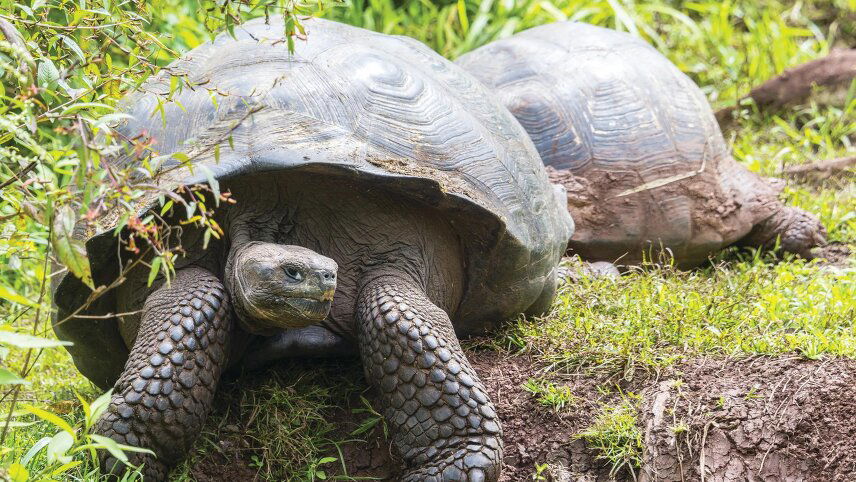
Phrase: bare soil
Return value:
(760, 418)
(757, 418)
(835, 253)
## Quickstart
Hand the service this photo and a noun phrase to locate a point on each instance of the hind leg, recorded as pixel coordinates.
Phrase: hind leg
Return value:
(167, 387)
(797, 231)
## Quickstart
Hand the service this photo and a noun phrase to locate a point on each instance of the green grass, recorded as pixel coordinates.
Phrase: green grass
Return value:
(656, 316)
(615, 434)
(741, 304)
(281, 422)
(549, 394)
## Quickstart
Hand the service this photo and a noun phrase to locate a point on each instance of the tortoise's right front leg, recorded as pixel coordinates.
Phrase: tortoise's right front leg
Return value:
(167, 387)
(443, 423)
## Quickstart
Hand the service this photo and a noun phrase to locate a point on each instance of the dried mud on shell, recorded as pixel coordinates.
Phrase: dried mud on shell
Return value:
(756, 419)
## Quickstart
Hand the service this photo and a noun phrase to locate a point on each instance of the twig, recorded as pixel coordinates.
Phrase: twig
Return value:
(701, 454)
(821, 169)
(65, 27)
(108, 315)
(16, 177)
(796, 84)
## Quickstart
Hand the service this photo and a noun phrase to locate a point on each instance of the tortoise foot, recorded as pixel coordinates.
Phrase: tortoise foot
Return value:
(475, 459)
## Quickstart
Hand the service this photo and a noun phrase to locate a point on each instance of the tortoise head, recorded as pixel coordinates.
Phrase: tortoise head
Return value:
(276, 287)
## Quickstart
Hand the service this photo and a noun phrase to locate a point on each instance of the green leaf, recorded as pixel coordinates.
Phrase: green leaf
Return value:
(87, 412)
(9, 295)
(18, 473)
(110, 445)
(166, 207)
(71, 252)
(72, 45)
(116, 449)
(154, 270)
(111, 120)
(65, 467)
(35, 449)
(58, 446)
(21, 340)
(84, 105)
(462, 16)
(14, 424)
(97, 407)
(10, 378)
(48, 75)
(52, 418)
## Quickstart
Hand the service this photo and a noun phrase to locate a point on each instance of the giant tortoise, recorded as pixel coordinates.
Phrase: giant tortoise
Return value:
(636, 145)
(385, 204)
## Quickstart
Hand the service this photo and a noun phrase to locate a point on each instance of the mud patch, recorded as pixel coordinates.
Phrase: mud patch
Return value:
(759, 418)
(224, 464)
(448, 181)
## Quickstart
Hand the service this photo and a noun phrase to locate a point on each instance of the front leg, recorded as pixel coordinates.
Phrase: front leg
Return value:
(444, 425)
(167, 387)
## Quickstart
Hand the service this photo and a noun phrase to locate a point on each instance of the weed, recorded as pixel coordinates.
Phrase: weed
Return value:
(551, 395)
(616, 436)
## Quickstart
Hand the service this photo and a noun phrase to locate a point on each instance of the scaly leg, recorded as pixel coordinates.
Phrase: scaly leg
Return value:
(166, 390)
(443, 424)
(798, 231)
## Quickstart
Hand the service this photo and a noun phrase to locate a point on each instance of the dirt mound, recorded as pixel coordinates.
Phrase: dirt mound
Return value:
(835, 253)
(760, 418)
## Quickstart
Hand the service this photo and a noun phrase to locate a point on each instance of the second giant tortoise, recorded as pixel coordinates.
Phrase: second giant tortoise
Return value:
(637, 146)
(385, 205)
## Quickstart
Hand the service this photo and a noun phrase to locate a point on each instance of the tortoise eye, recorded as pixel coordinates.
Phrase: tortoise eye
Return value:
(294, 274)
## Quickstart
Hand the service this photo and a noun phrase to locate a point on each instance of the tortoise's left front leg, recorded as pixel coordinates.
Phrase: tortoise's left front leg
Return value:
(443, 423)
(167, 387)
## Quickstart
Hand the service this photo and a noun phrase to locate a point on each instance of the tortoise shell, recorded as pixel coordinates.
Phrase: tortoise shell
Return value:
(632, 138)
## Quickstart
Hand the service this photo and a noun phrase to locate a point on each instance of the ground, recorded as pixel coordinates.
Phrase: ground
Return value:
(743, 367)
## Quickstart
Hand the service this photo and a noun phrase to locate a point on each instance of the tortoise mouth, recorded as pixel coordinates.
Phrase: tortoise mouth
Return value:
(311, 309)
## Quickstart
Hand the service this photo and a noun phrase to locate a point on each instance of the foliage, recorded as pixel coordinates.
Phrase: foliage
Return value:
(64, 66)
(59, 451)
